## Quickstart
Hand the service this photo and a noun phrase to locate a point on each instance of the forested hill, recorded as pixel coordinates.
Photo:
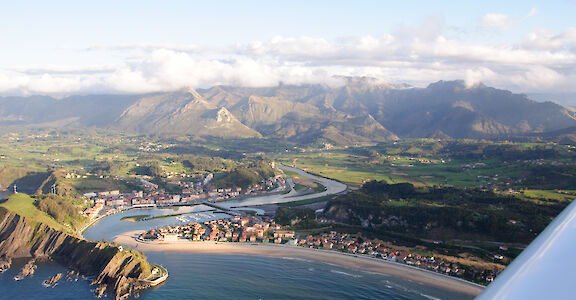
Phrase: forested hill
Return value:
(443, 213)
(363, 110)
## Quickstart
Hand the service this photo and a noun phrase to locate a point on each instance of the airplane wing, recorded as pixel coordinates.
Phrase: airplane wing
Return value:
(545, 269)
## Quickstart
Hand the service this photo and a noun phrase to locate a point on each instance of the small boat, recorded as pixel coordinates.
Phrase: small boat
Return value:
(18, 277)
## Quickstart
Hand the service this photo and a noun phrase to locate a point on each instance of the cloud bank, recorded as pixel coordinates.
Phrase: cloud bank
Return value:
(543, 61)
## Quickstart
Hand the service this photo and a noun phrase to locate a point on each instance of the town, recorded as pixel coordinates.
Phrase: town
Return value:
(195, 192)
(378, 249)
(264, 230)
(235, 229)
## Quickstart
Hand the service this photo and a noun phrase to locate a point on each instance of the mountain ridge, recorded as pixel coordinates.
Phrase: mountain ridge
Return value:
(362, 111)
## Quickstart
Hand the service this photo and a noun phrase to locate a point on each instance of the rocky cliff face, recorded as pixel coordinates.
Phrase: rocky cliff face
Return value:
(117, 271)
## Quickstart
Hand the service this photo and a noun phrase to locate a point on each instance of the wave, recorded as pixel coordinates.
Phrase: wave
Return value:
(429, 297)
(376, 273)
(295, 258)
(347, 274)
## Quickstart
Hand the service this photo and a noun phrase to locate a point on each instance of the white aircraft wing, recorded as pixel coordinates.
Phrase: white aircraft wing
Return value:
(546, 269)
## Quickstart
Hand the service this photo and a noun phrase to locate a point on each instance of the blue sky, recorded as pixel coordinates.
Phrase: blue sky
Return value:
(76, 47)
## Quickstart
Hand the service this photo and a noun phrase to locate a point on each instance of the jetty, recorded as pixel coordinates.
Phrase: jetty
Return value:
(159, 275)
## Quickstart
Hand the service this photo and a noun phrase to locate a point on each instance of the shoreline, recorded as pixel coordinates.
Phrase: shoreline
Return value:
(356, 262)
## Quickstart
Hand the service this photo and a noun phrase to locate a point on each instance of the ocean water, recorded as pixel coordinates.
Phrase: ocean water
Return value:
(208, 276)
(32, 288)
(217, 276)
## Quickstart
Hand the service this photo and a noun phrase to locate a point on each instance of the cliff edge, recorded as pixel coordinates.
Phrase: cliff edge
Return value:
(115, 270)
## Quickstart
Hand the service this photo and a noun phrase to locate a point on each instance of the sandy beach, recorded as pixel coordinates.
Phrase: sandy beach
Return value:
(350, 261)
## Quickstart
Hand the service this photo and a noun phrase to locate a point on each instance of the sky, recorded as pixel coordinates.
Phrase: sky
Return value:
(86, 47)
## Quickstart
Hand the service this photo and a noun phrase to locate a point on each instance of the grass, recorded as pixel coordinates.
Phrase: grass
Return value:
(550, 195)
(354, 169)
(23, 205)
(92, 184)
(320, 188)
(290, 174)
(298, 187)
(547, 197)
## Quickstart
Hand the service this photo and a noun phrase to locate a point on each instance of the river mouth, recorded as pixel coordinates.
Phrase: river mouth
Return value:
(259, 272)
(109, 227)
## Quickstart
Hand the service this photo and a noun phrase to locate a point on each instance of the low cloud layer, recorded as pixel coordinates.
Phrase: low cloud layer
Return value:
(543, 61)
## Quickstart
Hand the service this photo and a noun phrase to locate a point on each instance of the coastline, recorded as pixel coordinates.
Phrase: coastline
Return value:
(356, 262)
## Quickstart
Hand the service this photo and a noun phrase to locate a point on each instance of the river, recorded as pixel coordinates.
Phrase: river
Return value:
(332, 187)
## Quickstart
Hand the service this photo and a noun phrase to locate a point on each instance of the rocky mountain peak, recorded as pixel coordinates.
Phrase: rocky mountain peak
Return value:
(224, 116)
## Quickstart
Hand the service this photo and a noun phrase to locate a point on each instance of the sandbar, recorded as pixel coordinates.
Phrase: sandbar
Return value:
(356, 262)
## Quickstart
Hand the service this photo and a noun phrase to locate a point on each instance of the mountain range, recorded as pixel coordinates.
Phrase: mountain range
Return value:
(361, 111)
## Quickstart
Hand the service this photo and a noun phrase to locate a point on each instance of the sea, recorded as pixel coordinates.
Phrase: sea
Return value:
(218, 276)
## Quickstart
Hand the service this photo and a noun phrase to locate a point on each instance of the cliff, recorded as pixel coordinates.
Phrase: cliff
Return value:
(115, 270)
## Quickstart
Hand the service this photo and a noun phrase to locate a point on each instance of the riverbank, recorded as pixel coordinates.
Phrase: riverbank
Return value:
(332, 257)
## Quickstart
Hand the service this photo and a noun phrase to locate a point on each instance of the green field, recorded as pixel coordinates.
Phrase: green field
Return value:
(548, 196)
(298, 187)
(430, 163)
(23, 205)
(290, 174)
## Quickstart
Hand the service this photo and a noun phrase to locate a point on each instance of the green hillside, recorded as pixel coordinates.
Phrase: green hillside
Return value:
(23, 205)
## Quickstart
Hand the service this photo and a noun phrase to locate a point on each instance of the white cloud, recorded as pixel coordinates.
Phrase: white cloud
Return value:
(505, 22)
(478, 75)
(502, 21)
(545, 60)
(169, 70)
(544, 40)
(295, 47)
(534, 11)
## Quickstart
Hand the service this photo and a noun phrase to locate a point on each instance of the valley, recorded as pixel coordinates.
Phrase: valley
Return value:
(465, 200)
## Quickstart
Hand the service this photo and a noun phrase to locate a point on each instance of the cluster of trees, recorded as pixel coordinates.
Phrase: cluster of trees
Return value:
(507, 152)
(61, 208)
(551, 177)
(150, 168)
(469, 212)
(296, 218)
(245, 175)
(107, 167)
(469, 149)
(204, 164)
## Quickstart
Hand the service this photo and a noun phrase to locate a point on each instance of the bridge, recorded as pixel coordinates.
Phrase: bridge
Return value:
(222, 208)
